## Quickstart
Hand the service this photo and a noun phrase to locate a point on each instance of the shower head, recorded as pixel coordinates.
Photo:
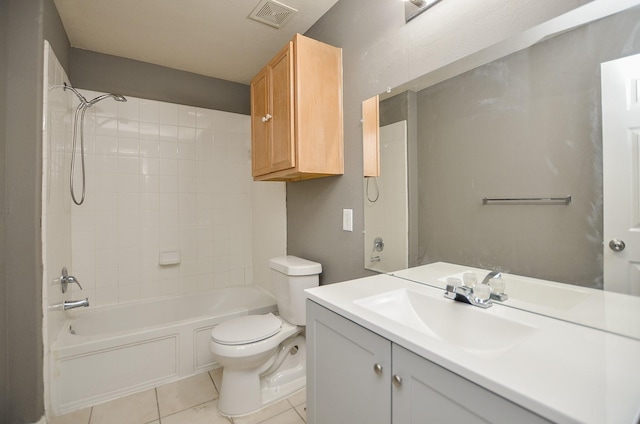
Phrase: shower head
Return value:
(88, 103)
(83, 99)
(116, 97)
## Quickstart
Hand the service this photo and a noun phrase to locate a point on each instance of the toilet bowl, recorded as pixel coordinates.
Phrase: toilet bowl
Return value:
(264, 356)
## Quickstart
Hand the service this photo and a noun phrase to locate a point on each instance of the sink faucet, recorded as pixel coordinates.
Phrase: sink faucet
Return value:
(478, 296)
(70, 304)
(496, 294)
(489, 276)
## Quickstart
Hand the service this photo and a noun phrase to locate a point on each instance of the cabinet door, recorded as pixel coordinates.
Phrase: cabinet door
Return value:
(281, 85)
(343, 385)
(429, 393)
(260, 126)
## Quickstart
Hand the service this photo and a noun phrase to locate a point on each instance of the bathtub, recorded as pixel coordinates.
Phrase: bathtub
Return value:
(108, 352)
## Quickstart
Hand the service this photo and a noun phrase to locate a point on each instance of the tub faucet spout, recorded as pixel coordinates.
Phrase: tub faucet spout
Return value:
(70, 304)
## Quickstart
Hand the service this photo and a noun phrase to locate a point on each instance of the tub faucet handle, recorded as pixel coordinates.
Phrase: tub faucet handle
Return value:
(65, 279)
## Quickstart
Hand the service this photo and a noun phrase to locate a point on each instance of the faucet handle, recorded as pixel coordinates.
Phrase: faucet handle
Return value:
(65, 279)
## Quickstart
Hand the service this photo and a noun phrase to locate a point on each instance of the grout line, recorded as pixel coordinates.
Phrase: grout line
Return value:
(90, 415)
(301, 417)
(155, 390)
(214, 382)
(191, 407)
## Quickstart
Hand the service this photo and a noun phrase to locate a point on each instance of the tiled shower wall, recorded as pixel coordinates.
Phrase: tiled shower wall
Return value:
(163, 177)
(56, 210)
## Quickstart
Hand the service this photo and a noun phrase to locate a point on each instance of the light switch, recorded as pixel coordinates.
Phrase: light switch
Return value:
(347, 219)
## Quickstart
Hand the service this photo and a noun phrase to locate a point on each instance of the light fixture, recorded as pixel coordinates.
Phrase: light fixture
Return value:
(413, 8)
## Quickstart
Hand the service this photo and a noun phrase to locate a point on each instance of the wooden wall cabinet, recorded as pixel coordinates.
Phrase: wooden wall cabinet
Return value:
(297, 113)
(371, 137)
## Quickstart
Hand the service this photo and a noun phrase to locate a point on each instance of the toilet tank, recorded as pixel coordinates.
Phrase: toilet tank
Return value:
(291, 276)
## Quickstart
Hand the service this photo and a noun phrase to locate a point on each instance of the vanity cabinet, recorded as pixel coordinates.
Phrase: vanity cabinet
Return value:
(357, 376)
(297, 113)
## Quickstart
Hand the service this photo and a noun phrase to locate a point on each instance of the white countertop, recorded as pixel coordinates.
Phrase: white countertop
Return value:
(613, 312)
(564, 372)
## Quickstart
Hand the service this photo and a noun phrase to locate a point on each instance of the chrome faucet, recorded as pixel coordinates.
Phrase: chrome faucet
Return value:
(473, 296)
(489, 276)
(500, 296)
(70, 304)
(66, 279)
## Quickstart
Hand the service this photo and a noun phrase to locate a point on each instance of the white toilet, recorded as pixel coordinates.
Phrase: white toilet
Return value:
(264, 356)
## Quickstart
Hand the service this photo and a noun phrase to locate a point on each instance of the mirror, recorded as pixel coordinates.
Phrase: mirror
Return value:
(386, 214)
(519, 120)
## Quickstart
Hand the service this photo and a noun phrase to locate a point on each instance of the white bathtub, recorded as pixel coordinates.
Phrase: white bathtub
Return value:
(119, 350)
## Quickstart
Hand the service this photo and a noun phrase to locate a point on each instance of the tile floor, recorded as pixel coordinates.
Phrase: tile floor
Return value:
(189, 401)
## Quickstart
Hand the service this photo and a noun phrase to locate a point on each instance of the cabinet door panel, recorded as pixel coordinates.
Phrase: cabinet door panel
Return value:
(282, 144)
(259, 128)
(432, 394)
(342, 386)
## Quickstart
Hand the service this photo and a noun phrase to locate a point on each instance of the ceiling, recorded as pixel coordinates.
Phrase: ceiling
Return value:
(215, 38)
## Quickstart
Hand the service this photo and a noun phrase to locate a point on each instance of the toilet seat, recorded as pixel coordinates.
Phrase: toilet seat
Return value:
(246, 329)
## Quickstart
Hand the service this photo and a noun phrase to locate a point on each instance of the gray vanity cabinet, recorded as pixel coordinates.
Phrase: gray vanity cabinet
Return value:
(355, 376)
(348, 371)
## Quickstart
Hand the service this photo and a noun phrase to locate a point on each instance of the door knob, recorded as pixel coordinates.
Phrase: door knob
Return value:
(617, 245)
(266, 118)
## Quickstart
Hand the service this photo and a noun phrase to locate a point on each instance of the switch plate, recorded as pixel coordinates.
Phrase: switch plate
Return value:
(347, 219)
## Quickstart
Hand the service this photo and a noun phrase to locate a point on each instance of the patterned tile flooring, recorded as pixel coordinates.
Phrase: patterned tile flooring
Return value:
(189, 401)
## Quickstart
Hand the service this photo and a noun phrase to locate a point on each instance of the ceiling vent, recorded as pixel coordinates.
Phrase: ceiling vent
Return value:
(272, 13)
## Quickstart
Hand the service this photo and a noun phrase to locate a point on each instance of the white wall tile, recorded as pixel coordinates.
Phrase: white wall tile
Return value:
(168, 132)
(129, 110)
(149, 111)
(169, 149)
(187, 116)
(149, 130)
(161, 177)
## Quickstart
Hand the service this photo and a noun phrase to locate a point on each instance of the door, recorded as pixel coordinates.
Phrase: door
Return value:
(348, 371)
(621, 174)
(282, 143)
(260, 126)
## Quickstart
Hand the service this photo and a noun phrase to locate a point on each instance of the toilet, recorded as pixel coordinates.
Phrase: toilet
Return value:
(264, 356)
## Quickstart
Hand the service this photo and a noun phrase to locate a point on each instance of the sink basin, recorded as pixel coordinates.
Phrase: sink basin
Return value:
(468, 327)
(538, 292)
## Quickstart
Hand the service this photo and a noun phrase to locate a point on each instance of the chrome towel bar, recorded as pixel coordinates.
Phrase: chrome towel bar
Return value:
(526, 200)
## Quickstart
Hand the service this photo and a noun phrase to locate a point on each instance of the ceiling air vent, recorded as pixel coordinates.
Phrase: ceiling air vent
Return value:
(272, 13)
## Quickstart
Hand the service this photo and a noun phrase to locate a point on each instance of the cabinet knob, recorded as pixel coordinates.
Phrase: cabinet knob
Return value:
(377, 368)
(266, 117)
(397, 380)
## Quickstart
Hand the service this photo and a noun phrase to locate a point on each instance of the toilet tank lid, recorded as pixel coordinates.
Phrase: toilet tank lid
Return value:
(292, 265)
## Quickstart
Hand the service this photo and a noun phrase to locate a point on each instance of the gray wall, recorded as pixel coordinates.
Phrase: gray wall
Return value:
(112, 74)
(24, 26)
(22, 192)
(525, 125)
(380, 51)
(4, 386)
